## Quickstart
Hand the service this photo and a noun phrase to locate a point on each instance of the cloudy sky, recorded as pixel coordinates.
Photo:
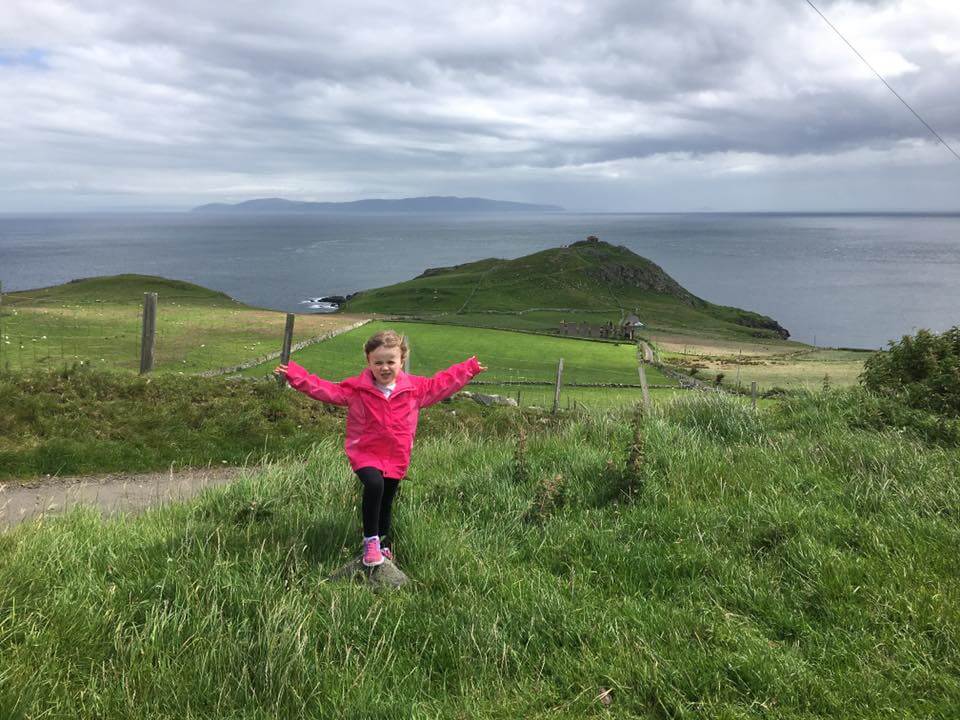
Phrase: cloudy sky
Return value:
(645, 105)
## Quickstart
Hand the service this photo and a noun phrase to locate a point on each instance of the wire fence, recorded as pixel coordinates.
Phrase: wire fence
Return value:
(187, 338)
(34, 339)
(571, 396)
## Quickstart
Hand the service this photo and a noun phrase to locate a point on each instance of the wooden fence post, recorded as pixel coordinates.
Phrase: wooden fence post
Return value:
(148, 333)
(753, 393)
(287, 342)
(641, 359)
(643, 385)
(556, 394)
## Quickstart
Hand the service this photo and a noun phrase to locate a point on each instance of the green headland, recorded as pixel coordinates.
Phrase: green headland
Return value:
(590, 281)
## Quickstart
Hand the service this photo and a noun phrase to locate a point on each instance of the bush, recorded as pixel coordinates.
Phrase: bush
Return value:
(875, 412)
(923, 371)
(821, 415)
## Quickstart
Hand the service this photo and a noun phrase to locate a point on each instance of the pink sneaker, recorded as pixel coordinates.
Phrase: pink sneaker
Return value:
(371, 552)
(386, 552)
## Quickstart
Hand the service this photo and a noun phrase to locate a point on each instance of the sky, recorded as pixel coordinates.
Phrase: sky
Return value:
(597, 106)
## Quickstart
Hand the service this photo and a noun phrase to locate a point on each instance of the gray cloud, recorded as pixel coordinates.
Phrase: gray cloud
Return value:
(188, 102)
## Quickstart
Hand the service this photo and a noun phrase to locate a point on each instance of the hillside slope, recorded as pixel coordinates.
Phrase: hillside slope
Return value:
(590, 281)
(126, 288)
(789, 564)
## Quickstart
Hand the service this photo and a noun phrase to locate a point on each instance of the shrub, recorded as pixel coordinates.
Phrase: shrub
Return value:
(549, 496)
(876, 412)
(821, 415)
(923, 371)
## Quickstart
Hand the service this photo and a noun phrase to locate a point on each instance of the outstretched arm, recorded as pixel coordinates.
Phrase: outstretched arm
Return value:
(446, 382)
(315, 387)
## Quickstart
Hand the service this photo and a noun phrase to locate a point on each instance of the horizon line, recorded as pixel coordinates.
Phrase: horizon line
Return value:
(185, 210)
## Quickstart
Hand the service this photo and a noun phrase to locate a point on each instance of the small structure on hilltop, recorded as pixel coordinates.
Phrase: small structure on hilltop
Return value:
(632, 325)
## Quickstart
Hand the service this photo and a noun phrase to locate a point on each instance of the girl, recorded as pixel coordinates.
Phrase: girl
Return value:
(383, 406)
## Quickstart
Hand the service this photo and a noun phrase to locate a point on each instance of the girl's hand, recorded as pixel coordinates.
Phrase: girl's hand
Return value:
(280, 370)
(482, 366)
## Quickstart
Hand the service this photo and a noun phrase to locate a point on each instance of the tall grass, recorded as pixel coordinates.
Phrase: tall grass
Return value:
(86, 421)
(783, 564)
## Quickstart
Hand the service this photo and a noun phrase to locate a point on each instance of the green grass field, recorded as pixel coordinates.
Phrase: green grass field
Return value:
(509, 355)
(769, 364)
(788, 563)
(98, 322)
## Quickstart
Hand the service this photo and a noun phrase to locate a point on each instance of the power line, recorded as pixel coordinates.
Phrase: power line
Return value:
(906, 104)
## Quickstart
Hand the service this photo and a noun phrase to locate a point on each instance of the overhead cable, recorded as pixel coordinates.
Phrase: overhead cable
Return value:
(906, 104)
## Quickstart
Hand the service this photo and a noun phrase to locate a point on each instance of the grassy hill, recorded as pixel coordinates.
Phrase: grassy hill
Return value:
(799, 562)
(589, 281)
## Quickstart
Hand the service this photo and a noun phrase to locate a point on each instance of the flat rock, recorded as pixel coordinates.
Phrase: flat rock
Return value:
(387, 575)
(488, 399)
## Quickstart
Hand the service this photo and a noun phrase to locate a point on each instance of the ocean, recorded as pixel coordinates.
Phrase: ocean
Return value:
(836, 280)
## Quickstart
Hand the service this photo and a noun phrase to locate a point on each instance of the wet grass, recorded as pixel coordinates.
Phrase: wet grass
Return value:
(786, 563)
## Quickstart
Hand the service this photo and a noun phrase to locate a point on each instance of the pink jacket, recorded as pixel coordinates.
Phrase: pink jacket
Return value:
(380, 430)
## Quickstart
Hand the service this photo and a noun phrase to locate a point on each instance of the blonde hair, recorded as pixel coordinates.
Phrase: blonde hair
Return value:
(389, 339)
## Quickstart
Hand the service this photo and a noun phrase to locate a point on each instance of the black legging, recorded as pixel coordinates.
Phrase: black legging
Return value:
(378, 495)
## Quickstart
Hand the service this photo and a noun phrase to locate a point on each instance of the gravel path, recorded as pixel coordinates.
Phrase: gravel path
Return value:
(119, 492)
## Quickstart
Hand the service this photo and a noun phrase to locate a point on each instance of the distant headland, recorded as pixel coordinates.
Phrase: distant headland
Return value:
(433, 204)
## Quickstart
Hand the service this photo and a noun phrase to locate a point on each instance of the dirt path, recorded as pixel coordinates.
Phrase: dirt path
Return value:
(647, 351)
(112, 493)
